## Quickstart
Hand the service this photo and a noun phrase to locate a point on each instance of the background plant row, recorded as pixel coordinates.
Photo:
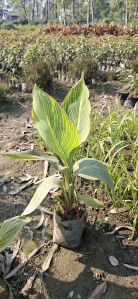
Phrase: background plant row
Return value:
(97, 29)
(19, 49)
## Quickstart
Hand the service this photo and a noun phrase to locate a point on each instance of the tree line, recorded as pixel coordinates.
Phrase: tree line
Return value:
(76, 11)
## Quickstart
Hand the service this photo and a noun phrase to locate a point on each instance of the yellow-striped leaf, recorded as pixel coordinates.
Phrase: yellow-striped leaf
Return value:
(78, 108)
(29, 155)
(54, 125)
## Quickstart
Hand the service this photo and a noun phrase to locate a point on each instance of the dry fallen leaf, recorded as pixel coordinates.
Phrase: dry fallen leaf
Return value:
(45, 234)
(99, 291)
(131, 267)
(38, 182)
(23, 187)
(70, 295)
(36, 250)
(118, 228)
(113, 260)
(46, 210)
(10, 258)
(17, 268)
(24, 260)
(25, 290)
(49, 257)
(41, 220)
(25, 178)
(118, 210)
(45, 168)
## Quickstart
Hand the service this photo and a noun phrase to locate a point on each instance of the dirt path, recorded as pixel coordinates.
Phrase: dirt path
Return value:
(79, 271)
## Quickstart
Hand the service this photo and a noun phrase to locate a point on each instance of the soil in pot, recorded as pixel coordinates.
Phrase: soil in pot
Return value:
(68, 232)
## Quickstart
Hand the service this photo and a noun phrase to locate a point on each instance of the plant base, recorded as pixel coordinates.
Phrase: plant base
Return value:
(68, 233)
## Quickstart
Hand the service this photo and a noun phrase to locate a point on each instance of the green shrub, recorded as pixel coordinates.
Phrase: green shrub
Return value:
(31, 55)
(112, 75)
(89, 66)
(39, 73)
(7, 25)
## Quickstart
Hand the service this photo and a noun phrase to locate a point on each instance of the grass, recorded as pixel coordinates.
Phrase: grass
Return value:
(114, 140)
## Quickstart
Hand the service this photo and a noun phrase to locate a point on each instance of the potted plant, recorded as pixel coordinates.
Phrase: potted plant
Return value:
(63, 129)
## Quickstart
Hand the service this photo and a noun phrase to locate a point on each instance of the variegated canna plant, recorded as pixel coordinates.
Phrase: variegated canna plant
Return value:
(63, 129)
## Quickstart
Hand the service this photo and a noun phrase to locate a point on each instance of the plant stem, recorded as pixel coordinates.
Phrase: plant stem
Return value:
(68, 188)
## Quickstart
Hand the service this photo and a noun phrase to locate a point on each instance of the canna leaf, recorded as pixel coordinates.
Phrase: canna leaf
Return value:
(10, 229)
(54, 126)
(92, 169)
(95, 203)
(44, 188)
(78, 108)
(29, 155)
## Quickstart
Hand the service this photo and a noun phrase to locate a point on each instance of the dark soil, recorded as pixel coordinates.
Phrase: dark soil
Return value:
(80, 270)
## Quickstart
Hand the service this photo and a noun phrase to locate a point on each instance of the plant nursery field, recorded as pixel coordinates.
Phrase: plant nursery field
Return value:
(105, 265)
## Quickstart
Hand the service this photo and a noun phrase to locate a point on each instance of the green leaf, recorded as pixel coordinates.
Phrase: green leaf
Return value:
(54, 126)
(42, 191)
(78, 108)
(10, 229)
(29, 155)
(92, 169)
(95, 203)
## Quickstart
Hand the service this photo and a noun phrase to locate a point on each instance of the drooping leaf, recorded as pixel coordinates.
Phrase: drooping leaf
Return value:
(30, 155)
(92, 169)
(54, 125)
(78, 108)
(47, 185)
(95, 203)
(10, 229)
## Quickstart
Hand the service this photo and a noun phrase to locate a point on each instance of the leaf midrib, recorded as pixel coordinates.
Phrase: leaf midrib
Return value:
(55, 140)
